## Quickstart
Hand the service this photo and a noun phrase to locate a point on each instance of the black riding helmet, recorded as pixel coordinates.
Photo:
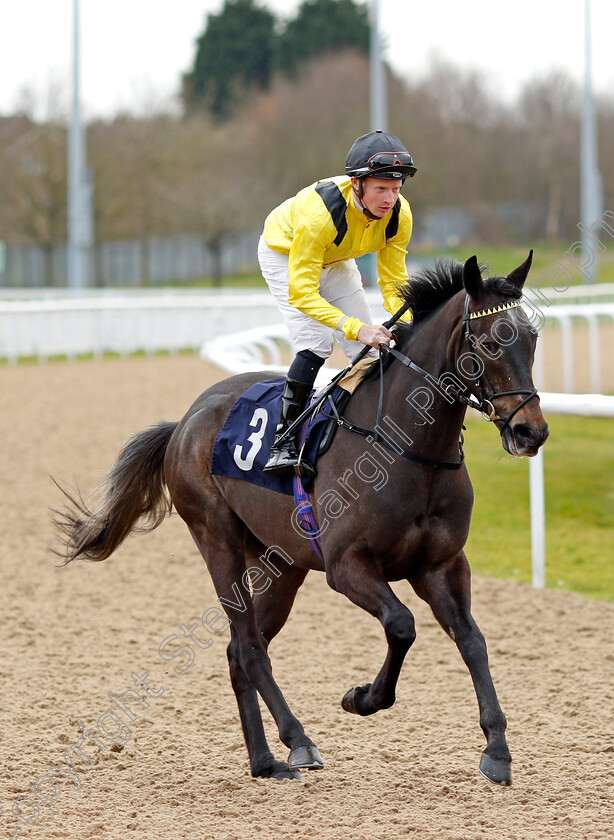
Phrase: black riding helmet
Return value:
(380, 155)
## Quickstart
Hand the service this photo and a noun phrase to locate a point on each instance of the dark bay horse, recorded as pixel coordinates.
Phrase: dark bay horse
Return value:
(391, 503)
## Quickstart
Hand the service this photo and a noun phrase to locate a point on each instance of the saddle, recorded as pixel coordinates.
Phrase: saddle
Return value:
(242, 446)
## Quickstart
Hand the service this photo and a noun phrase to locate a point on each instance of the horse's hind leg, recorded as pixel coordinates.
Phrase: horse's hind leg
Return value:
(447, 590)
(261, 759)
(220, 544)
(272, 608)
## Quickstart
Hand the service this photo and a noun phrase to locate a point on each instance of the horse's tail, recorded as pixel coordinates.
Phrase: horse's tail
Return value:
(133, 497)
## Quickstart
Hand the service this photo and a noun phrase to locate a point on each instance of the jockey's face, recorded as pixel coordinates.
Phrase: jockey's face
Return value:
(379, 195)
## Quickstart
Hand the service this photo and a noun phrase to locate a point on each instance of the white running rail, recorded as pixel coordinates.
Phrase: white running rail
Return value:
(101, 321)
(124, 324)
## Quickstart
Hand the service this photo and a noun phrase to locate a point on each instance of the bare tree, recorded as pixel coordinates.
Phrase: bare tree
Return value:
(300, 131)
(134, 166)
(548, 111)
(212, 187)
(33, 185)
(447, 117)
(606, 147)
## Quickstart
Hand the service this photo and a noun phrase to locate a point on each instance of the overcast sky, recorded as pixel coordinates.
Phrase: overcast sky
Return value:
(134, 51)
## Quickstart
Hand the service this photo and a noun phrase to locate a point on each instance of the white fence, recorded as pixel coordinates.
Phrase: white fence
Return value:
(564, 316)
(595, 293)
(265, 349)
(127, 322)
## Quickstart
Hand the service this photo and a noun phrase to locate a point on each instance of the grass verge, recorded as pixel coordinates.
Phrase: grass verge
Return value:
(579, 485)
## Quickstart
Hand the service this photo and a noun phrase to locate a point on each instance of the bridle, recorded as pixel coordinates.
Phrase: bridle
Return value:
(486, 405)
(483, 403)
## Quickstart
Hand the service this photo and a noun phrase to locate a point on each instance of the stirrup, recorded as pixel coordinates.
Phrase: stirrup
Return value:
(281, 462)
(303, 468)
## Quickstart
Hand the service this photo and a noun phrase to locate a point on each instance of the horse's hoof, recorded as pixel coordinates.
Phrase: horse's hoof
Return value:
(348, 702)
(496, 770)
(353, 701)
(290, 774)
(306, 758)
(278, 770)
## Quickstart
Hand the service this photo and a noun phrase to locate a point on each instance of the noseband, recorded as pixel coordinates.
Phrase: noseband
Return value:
(484, 402)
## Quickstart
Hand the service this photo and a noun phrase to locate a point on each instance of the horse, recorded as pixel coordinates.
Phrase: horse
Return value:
(392, 502)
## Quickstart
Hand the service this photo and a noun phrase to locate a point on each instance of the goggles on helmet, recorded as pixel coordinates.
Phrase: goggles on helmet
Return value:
(391, 165)
(388, 160)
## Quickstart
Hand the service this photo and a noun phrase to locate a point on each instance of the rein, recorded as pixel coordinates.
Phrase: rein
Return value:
(484, 404)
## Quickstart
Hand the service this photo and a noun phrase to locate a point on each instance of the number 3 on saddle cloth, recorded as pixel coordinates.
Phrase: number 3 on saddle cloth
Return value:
(242, 447)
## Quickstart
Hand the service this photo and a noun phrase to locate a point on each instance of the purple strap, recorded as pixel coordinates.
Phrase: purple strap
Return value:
(306, 518)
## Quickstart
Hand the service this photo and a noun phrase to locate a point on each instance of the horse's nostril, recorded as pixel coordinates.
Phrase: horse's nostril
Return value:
(528, 436)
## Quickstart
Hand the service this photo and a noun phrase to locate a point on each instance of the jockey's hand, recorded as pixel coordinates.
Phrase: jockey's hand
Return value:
(374, 334)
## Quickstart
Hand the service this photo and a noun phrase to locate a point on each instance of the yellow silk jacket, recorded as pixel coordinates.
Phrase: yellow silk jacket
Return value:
(321, 226)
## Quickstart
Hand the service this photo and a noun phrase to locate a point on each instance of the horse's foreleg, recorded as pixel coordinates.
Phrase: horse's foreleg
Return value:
(359, 578)
(447, 590)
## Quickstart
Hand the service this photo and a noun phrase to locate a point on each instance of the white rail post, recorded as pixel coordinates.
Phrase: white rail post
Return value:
(567, 354)
(594, 353)
(539, 365)
(538, 520)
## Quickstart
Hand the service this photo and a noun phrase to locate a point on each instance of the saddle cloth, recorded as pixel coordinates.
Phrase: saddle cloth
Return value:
(242, 446)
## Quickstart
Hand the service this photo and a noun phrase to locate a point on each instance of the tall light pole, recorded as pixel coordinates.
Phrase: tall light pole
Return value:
(378, 101)
(78, 227)
(590, 180)
(378, 92)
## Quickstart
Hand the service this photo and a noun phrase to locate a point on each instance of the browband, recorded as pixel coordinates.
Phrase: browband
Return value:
(501, 308)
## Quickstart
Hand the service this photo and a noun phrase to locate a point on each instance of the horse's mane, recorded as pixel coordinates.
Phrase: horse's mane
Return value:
(430, 288)
(427, 290)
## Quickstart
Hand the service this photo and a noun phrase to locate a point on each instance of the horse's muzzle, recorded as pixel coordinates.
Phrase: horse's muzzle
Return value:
(525, 439)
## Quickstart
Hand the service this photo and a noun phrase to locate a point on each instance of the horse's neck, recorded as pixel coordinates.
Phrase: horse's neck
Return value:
(417, 404)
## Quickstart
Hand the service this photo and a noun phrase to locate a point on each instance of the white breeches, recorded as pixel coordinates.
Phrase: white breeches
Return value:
(340, 285)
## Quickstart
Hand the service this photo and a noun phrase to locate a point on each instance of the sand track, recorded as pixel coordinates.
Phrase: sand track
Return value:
(73, 635)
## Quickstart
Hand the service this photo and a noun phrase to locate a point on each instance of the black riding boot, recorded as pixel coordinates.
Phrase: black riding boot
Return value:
(284, 455)
(301, 376)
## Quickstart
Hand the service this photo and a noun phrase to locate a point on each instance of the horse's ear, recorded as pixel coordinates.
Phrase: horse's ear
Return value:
(472, 278)
(519, 275)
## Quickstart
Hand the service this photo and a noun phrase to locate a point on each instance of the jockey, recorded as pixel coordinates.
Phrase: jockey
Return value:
(307, 256)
